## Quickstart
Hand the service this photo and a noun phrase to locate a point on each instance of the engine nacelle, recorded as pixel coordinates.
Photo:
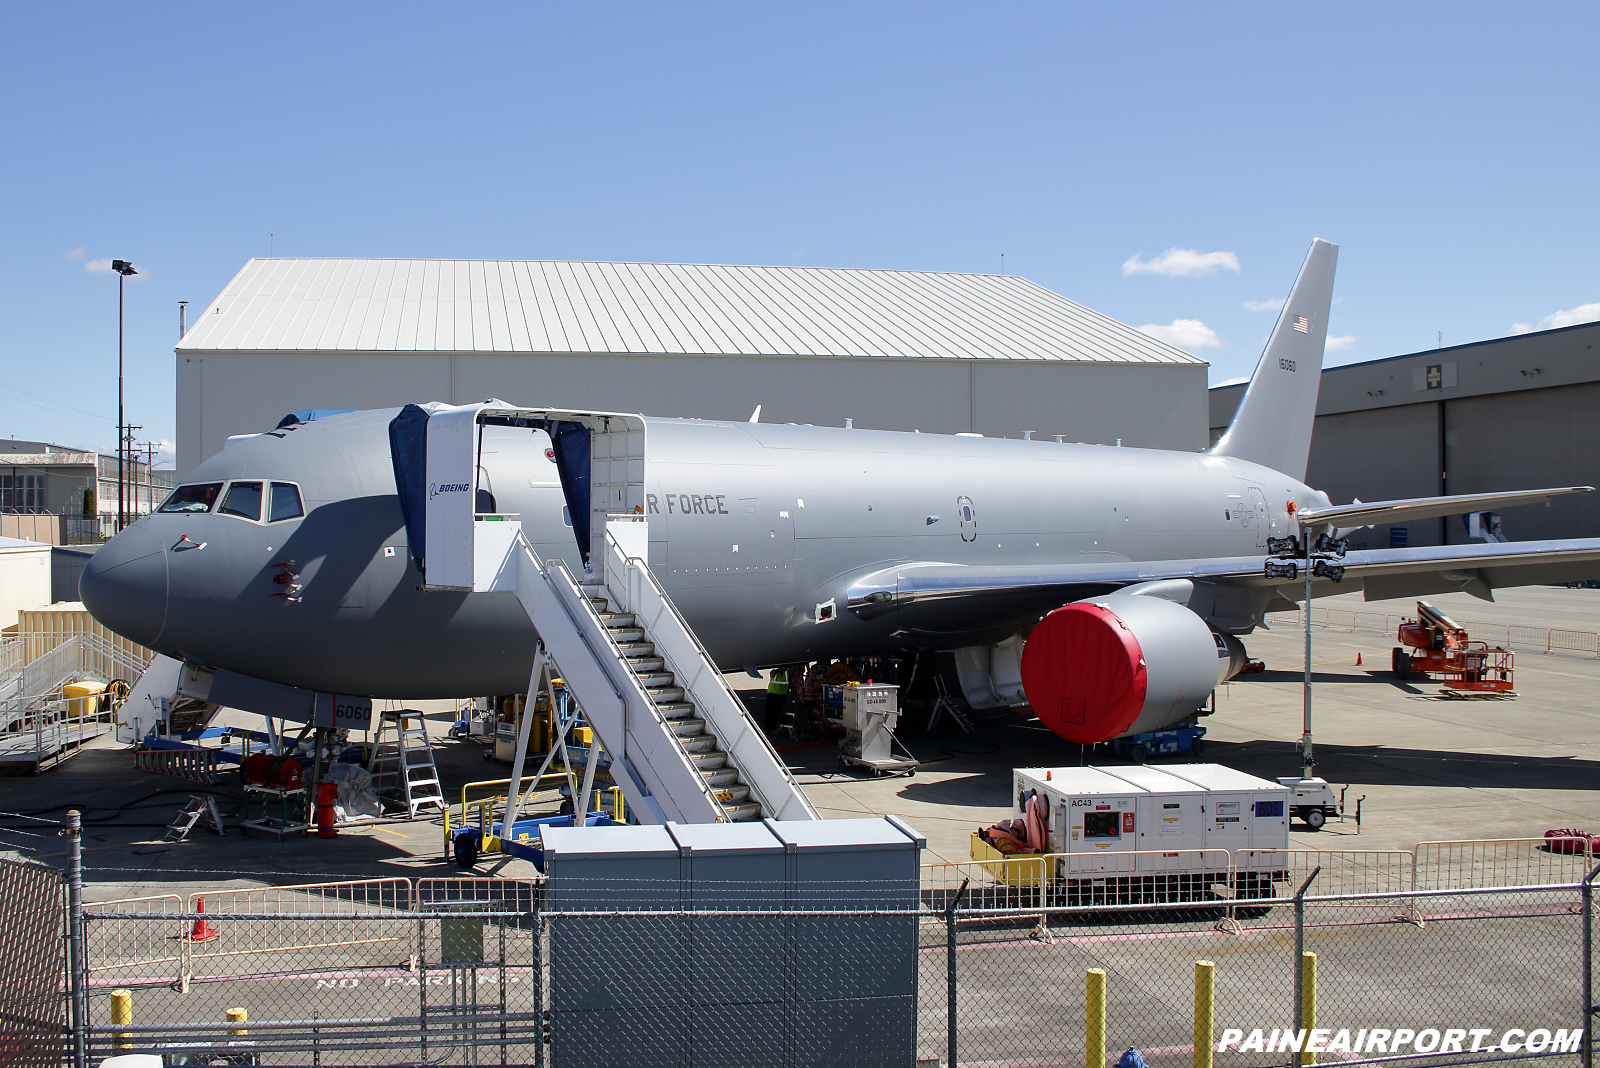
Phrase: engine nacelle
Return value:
(1098, 669)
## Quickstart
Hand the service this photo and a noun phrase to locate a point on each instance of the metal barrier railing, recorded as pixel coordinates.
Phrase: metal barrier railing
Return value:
(1511, 635)
(123, 946)
(1471, 863)
(1342, 871)
(225, 932)
(1026, 880)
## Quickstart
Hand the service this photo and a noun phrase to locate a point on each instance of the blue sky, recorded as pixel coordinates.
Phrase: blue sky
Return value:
(1450, 150)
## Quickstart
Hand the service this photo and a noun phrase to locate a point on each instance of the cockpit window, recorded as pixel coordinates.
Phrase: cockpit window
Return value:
(286, 502)
(243, 500)
(197, 498)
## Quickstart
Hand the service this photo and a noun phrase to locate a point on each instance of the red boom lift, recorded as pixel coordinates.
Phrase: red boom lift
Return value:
(1434, 644)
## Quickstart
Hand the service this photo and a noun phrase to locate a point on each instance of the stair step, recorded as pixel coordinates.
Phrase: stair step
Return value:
(665, 693)
(618, 619)
(688, 727)
(675, 711)
(736, 794)
(743, 813)
(720, 777)
(697, 744)
(709, 761)
(643, 664)
(631, 649)
(624, 635)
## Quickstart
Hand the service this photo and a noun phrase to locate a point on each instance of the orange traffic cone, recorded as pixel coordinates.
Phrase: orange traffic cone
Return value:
(1358, 660)
(202, 931)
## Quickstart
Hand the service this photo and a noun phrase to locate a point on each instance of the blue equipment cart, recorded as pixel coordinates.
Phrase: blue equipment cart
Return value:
(1182, 737)
(523, 840)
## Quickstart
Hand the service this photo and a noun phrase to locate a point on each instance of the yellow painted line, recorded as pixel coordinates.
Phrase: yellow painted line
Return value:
(386, 830)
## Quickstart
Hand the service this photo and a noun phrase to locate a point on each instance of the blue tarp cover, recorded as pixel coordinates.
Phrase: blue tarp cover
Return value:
(408, 448)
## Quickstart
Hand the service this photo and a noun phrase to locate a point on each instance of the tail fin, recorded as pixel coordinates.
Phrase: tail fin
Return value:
(1273, 424)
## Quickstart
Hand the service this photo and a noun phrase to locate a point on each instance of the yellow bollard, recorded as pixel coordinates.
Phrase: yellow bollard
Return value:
(1204, 999)
(1308, 1001)
(237, 1016)
(122, 1013)
(1094, 1041)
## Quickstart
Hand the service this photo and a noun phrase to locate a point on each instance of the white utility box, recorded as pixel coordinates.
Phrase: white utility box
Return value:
(1144, 834)
(871, 711)
(868, 703)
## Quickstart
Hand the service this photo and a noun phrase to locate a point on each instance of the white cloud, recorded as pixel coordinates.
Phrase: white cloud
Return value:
(1340, 344)
(1583, 313)
(1182, 263)
(98, 266)
(75, 254)
(1189, 334)
(1265, 305)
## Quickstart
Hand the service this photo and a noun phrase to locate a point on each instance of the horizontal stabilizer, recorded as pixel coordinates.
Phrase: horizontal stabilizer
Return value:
(1372, 513)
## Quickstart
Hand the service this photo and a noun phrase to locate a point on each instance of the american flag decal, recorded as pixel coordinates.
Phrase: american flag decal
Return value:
(1302, 324)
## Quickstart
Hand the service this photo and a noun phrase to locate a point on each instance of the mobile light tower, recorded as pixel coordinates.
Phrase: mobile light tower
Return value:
(1322, 558)
(123, 269)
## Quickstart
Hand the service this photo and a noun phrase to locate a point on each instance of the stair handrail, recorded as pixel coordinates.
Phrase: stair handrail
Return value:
(548, 569)
(634, 568)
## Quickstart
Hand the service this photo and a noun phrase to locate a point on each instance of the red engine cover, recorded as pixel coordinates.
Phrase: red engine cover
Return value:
(1084, 673)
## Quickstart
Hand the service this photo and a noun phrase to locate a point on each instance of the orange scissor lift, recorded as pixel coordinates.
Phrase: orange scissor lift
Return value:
(1435, 645)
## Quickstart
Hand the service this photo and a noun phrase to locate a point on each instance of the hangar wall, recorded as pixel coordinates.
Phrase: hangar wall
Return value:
(1512, 413)
(1146, 405)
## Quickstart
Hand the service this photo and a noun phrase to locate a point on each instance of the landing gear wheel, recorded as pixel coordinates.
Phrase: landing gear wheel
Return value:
(466, 850)
(1198, 747)
(1138, 753)
(1400, 661)
(1315, 819)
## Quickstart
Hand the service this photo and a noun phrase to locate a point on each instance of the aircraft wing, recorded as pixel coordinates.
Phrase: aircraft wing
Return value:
(940, 592)
(1360, 514)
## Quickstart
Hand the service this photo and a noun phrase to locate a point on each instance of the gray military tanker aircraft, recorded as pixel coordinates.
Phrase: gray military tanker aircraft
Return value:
(298, 556)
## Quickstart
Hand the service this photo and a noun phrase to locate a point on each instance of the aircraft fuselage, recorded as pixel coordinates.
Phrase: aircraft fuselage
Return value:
(753, 528)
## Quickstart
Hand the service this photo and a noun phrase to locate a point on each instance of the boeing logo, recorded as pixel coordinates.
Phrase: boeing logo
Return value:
(434, 488)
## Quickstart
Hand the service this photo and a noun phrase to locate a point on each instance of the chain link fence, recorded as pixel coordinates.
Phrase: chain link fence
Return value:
(1350, 959)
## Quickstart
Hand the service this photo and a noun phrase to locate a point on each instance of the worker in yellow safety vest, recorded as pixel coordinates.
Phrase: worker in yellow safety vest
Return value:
(777, 697)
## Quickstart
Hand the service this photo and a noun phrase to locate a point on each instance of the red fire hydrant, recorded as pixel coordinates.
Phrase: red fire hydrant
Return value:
(327, 795)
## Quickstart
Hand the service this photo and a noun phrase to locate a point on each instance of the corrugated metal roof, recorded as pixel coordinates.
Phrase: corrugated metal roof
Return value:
(545, 306)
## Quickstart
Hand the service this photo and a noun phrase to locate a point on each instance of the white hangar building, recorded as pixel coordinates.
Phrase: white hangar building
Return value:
(890, 350)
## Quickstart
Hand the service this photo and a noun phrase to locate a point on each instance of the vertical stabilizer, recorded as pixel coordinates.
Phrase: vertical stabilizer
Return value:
(1273, 424)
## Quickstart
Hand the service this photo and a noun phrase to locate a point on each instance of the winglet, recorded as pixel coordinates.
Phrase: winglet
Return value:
(1273, 424)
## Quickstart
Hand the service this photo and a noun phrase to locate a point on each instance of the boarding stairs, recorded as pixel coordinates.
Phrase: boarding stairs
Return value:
(677, 708)
(402, 762)
(683, 747)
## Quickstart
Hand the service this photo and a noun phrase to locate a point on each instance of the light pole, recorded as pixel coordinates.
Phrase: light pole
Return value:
(123, 269)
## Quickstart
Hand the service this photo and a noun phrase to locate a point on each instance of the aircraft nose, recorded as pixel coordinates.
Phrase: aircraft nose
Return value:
(124, 586)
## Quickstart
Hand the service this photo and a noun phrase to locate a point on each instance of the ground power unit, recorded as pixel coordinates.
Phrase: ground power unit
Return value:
(1187, 832)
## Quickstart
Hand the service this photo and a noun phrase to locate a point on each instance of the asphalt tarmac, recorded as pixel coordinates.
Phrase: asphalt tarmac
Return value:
(1429, 768)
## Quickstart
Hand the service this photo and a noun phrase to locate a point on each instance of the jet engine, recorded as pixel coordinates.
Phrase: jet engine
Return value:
(1098, 669)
